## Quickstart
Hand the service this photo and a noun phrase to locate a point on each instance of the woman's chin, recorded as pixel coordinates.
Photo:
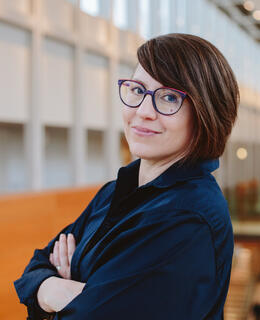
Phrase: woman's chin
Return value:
(143, 153)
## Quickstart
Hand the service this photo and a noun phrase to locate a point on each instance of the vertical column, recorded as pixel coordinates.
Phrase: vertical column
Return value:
(173, 16)
(104, 8)
(34, 138)
(209, 20)
(138, 19)
(181, 21)
(112, 138)
(194, 16)
(165, 16)
(189, 15)
(222, 34)
(78, 134)
(254, 142)
(155, 18)
(144, 14)
(257, 72)
(250, 115)
(132, 15)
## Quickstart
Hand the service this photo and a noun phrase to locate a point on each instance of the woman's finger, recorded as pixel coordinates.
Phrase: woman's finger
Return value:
(51, 258)
(71, 246)
(63, 250)
(56, 254)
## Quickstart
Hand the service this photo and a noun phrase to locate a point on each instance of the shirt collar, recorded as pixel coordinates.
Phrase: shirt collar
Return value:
(177, 173)
(169, 177)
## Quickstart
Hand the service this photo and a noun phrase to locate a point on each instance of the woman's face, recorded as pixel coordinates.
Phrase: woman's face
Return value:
(173, 132)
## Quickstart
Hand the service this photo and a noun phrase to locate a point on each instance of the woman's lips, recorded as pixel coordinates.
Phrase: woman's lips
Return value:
(144, 131)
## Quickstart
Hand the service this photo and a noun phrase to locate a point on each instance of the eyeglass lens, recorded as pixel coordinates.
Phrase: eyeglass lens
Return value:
(167, 101)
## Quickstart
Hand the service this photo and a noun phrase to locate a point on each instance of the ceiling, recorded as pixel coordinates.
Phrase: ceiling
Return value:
(236, 10)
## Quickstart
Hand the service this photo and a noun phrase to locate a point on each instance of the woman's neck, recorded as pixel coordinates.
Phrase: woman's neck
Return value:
(151, 169)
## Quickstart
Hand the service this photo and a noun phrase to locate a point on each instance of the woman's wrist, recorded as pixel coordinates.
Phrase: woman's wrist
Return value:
(43, 292)
(55, 293)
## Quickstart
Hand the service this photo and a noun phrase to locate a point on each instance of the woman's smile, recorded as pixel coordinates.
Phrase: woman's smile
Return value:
(141, 131)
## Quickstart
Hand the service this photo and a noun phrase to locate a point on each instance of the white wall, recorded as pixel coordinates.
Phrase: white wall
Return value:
(57, 73)
(15, 56)
(95, 90)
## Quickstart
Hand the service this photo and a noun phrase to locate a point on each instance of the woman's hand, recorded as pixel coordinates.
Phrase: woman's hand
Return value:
(55, 293)
(62, 254)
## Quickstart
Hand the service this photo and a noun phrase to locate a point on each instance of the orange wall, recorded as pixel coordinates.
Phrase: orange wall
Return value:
(29, 221)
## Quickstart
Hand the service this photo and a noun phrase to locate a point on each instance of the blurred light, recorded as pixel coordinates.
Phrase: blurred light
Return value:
(249, 5)
(241, 153)
(120, 14)
(89, 6)
(256, 14)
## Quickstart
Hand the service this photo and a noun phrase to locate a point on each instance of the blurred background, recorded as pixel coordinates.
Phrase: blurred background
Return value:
(61, 132)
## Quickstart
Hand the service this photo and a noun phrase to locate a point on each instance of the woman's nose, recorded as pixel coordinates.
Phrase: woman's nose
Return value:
(146, 109)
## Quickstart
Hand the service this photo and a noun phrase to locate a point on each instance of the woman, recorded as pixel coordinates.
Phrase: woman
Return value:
(157, 242)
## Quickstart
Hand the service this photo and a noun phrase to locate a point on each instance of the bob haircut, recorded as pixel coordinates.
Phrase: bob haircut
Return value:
(194, 65)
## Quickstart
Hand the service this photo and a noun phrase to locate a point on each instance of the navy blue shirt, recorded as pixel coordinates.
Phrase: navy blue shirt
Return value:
(159, 251)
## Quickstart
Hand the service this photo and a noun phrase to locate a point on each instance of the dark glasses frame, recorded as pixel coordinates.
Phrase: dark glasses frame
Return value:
(151, 93)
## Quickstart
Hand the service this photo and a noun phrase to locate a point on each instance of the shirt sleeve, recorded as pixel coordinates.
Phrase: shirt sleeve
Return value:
(169, 272)
(40, 268)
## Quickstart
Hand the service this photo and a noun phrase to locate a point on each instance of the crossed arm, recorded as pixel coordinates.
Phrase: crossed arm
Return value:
(55, 293)
(178, 270)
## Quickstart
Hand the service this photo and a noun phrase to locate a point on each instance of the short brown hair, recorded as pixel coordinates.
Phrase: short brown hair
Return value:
(194, 65)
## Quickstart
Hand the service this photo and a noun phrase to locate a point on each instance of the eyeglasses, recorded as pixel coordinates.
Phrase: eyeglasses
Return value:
(166, 101)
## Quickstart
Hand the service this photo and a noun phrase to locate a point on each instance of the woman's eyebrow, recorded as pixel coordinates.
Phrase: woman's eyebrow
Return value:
(139, 81)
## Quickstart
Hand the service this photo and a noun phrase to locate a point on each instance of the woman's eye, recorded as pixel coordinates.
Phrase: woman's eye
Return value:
(137, 90)
(170, 98)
